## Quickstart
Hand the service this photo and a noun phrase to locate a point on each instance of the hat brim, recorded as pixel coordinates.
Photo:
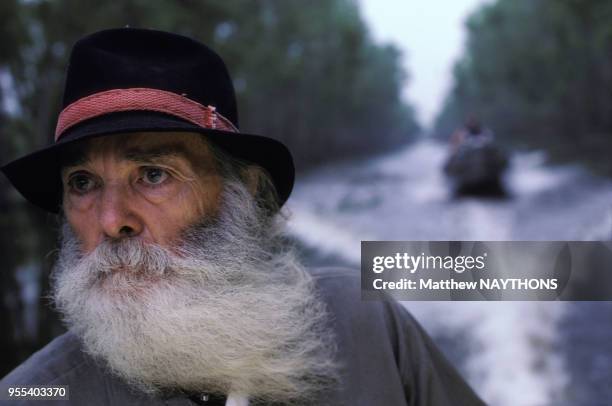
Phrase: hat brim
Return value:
(37, 175)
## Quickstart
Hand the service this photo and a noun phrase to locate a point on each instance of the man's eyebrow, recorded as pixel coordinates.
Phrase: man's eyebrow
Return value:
(75, 157)
(149, 154)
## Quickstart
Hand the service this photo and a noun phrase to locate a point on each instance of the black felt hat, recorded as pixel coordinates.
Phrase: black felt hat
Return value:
(131, 80)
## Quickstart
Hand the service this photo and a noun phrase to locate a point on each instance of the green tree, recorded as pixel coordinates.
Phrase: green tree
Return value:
(540, 73)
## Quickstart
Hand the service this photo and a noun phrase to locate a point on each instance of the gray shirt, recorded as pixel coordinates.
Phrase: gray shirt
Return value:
(386, 357)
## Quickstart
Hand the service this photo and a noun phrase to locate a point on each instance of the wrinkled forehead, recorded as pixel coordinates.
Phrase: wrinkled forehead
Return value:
(143, 147)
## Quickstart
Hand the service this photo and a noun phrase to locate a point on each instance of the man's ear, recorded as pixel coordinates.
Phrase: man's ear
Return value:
(250, 175)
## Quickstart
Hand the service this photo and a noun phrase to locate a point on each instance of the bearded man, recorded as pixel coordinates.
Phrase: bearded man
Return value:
(174, 278)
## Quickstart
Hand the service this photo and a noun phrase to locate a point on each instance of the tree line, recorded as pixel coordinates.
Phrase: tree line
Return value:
(539, 73)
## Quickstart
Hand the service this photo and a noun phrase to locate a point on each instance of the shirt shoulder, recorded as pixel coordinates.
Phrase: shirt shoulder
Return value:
(388, 357)
(61, 357)
(64, 362)
(340, 288)
(329, 278)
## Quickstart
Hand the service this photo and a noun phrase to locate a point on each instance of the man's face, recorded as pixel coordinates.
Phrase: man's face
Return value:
(151, 186)
(175, 275)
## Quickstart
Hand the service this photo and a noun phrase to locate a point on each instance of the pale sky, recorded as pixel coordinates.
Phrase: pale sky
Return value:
(430, 35)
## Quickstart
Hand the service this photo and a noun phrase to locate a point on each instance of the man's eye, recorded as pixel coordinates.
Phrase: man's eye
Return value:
(154, 175)
(81, 183)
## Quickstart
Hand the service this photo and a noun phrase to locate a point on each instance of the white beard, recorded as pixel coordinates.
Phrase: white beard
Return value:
(229, 310)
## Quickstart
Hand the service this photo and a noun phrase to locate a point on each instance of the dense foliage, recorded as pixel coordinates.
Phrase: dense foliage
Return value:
(539, 72)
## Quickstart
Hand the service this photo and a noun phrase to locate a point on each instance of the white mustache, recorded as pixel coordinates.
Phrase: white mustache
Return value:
(129, 255)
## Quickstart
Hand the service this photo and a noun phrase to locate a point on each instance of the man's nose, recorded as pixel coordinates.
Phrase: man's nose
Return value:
(117, 216)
